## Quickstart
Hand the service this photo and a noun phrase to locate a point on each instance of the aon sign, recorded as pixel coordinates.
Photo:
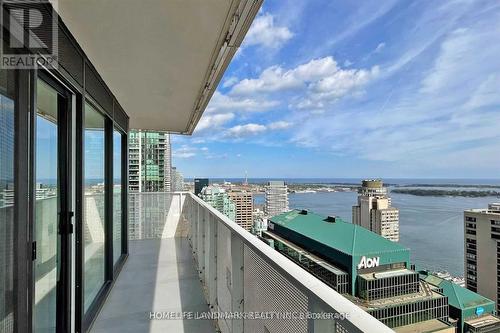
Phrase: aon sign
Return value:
(368, 262)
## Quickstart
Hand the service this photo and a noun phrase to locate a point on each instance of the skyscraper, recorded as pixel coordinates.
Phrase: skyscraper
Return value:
(276, 198)
(199, 184)
(482, 251)
(374, 211)
(150, 162)
(149, 171)
(219, 199)
(177, 180)
(244, 207)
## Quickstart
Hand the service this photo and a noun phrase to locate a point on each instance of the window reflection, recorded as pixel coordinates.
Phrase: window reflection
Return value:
(94, 198)
(7, 292)
(117, 195)
(46, 265)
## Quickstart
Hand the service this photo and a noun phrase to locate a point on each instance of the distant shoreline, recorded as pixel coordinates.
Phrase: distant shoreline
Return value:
(446, 193)
(451, 185)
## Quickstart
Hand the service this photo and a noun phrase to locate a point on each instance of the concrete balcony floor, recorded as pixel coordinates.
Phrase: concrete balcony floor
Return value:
(159, 276)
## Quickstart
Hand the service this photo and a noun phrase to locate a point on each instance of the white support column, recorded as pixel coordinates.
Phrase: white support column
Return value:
(237, 283)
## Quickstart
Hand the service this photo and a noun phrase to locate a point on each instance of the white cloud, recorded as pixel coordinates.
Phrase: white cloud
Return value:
(221, 103)
(322, 78)
(240, 131)
(448, 120)
(379, 47)
(366, 14)
(348, 63)
(264, 32)
(343, 82)
(252, 129)
(230, 81)
(213, 121)
(277, 125)
(184, 152)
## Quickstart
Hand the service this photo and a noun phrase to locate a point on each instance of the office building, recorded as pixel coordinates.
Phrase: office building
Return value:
(276, 198)
(150, 161)
(244, 207)
(177, 180)
(469, 311)
(482, 250)
(374, 211)
(371, 271)
(199, 184)
(218, 198)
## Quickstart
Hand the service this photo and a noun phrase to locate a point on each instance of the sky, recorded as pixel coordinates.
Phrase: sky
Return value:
(342, 88)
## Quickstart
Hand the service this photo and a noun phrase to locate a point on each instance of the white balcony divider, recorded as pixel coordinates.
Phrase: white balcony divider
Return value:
(241, 274)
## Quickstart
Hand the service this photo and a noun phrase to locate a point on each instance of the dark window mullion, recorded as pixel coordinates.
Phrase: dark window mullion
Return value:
(108, 206)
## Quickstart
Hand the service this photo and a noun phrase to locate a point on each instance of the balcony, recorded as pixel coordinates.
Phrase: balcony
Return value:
(186, 257)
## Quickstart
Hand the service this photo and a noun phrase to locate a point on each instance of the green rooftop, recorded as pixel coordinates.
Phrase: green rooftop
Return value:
(346, 237)
(458, 297)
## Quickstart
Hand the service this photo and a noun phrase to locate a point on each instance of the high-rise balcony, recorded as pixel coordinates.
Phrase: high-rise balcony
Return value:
(187, 259)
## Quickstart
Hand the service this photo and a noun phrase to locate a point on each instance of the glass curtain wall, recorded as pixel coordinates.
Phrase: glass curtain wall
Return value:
(94, 205)
(117, 195)
(7, 291)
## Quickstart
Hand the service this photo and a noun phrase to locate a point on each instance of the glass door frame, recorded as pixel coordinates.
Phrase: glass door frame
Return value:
(64, 307)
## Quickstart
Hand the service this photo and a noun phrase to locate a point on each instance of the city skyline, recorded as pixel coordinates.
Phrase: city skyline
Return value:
(393, 90)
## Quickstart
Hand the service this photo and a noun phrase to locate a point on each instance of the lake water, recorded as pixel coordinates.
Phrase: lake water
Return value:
(431, 227)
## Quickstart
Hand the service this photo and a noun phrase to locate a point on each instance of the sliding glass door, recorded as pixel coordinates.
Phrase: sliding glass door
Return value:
(52, 217)
(94, 210)
(8, 205)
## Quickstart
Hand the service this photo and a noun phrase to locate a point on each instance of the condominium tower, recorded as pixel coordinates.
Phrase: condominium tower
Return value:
(150, 162)
(482, 251)
(374, 211)
(219, 199)
(177, 180)
(276, 198)
(244, 207)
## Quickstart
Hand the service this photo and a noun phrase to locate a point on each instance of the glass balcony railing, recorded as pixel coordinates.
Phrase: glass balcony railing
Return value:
(177, 237)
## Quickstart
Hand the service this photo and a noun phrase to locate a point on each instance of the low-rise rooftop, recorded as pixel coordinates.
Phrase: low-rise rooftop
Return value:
(434, 326)
(345, 237)
(458, 297)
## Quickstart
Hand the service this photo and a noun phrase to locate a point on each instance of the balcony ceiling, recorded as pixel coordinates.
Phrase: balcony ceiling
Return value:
(162, 59)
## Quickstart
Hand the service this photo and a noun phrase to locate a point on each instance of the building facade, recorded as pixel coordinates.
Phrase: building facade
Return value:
(219, 199)
(471, 311)
(374, 211)
(150, 162)
(199, 184)
(243, 201)
(375, 274)
(177, 180)
(482, 250)
(276, 198)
